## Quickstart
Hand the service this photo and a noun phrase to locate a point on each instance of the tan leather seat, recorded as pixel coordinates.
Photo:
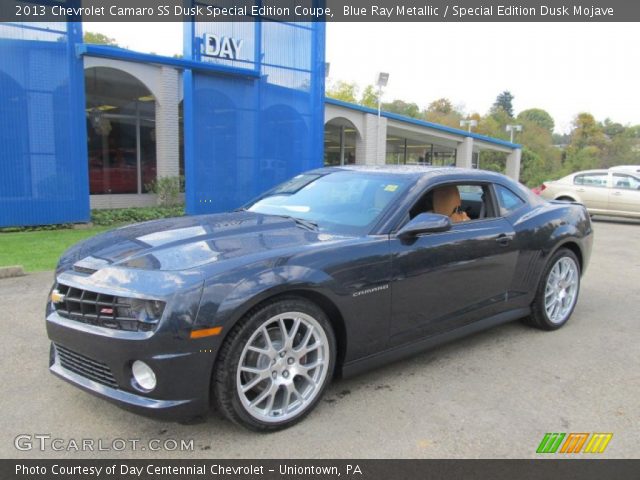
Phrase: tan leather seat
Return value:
(446, 201)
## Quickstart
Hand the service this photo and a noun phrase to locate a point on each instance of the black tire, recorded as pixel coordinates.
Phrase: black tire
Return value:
(565, 199)
(539, 317)
(225, 376)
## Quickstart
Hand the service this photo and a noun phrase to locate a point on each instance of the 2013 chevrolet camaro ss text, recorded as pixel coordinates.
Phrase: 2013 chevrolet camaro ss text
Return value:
(333, 272)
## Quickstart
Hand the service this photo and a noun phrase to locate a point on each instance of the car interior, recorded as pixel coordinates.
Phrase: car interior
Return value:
(460, 203)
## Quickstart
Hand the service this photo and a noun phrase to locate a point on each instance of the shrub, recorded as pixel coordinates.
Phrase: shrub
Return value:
(35, 228)
(133, 215)
(168, 190)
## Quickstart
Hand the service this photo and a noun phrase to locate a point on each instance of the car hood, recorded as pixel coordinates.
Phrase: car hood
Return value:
(188, 242)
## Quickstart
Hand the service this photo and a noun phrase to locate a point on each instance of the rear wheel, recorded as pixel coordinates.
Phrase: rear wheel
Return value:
(275, 365)
(557, 292)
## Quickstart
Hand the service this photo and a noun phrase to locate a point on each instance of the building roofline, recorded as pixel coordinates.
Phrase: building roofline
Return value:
(423, 123)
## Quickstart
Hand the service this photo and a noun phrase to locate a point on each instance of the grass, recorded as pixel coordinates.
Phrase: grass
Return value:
(40, 250)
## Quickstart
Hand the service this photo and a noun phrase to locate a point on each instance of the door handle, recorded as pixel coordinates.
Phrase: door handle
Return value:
(617, 193)
(503, 239)
(580, 190)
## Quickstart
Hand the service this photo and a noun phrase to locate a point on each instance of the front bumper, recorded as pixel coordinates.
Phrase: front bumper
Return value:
(182, 367)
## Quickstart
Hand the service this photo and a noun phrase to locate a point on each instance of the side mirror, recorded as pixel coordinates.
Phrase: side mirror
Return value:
(425, 223)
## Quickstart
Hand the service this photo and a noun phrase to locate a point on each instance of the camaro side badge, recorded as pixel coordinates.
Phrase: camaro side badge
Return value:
(371, 290)
(57, 297)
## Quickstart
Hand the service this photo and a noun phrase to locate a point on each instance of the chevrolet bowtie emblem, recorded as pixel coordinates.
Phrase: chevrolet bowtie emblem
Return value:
(57, 297)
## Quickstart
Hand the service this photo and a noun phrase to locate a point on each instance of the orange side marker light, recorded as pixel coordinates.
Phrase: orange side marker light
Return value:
(206, 332)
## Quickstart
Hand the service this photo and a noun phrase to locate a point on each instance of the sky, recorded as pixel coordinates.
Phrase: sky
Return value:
(563, 68)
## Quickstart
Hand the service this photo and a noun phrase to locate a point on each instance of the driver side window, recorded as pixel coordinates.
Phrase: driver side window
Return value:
(463, 202)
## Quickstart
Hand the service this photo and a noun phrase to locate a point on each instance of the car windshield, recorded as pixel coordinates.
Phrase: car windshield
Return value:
(342, 201)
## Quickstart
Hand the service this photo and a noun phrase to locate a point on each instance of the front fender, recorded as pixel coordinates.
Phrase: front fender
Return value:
(268, 283)
(224, 304)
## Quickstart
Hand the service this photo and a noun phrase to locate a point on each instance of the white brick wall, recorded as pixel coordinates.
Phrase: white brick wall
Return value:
(464, 153)
(374, 144)
(513, 164)
(123, 200)
(167, 123)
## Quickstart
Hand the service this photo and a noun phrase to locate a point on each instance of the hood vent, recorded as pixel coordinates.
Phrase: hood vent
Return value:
(89, 265)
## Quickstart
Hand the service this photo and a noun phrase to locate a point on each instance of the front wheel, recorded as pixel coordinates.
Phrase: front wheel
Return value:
(275, 365)
(557, 292)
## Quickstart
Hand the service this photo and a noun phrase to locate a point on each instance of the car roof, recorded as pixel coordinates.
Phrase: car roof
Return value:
(625, 168)
(582, 172)
(418, 171)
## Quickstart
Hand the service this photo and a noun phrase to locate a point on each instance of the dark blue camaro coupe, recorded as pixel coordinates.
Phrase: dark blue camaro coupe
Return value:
(333, 272)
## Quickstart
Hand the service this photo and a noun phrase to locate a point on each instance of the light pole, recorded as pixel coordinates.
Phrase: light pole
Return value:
(512, 129)
(468, 124)
(383, 79)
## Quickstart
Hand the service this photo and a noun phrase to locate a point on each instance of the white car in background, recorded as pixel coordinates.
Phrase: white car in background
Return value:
(614, 192)
(633, 169)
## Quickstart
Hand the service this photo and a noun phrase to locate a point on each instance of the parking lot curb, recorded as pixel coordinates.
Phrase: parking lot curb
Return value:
(11, 271)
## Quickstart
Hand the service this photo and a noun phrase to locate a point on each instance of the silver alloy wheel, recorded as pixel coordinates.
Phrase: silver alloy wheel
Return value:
(282, 367)
(561, 291)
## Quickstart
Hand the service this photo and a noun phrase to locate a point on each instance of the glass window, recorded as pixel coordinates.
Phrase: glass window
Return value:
(405, 151)
(626, 182)
(339, 143)
(121, 133)
(472, 204)
(591, 179)
(341, 201)
(508, 201)
(395, 151)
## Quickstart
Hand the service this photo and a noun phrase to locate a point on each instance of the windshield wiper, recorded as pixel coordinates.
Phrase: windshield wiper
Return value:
(301, 222)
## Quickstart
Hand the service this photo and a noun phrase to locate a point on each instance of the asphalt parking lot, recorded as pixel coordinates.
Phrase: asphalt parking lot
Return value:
(491, 395)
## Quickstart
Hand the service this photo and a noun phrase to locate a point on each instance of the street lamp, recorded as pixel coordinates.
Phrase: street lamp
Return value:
(468, 124)
(383, 79)
(512, 129)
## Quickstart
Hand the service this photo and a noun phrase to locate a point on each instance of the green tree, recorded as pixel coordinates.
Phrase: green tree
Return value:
(369, 97)
(587, 147)
(99, 39)
(539, 117)
(586, 132)
(504, 101)
(443, 112)
(561, 139)
(612, 129)
(347, 92)
(402, 108)
(442, 105)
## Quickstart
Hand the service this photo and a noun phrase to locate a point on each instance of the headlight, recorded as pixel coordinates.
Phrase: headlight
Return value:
(143, 375)
(146, 312)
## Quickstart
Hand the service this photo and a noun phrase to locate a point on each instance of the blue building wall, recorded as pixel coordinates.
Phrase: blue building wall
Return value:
(244, 133)
(43, 157)
(250, 122)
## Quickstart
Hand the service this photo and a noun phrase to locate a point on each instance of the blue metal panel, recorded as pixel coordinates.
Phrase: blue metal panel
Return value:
(43, 157)
(244, 135)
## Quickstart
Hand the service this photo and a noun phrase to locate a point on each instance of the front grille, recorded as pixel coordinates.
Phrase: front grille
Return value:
(100, 309)
(86, 367)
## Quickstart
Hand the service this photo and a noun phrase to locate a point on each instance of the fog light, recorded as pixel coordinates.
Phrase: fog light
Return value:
(143, 375)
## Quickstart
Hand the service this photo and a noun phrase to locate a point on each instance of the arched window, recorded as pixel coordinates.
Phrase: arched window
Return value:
(339, 142)
(121, 132)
